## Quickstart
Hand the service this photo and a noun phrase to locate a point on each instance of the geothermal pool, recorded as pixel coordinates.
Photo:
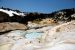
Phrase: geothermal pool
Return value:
(33, 35)
(27, 34)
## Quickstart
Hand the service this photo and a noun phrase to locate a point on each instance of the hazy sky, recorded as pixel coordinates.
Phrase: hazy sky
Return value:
(45, 6)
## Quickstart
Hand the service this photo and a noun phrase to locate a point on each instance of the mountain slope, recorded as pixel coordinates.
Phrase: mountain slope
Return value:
(9, 15)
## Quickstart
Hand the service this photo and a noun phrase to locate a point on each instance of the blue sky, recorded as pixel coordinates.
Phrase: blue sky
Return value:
(44, 6)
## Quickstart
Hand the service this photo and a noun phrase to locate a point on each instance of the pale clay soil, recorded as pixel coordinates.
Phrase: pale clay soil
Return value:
(60, 37)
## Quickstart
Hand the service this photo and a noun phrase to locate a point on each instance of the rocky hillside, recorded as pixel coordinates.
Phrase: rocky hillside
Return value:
(64, 15)
(9, 15)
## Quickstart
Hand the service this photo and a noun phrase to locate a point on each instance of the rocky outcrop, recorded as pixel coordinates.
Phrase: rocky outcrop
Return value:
(6, 26)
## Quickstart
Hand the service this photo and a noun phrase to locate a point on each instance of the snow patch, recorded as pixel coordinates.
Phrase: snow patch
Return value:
(11, 13)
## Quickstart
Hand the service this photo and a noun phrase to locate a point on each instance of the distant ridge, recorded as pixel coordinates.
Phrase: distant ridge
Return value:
(10, 15)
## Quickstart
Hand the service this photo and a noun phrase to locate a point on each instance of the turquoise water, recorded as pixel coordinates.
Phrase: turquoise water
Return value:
(28, 35)
(33, 35)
